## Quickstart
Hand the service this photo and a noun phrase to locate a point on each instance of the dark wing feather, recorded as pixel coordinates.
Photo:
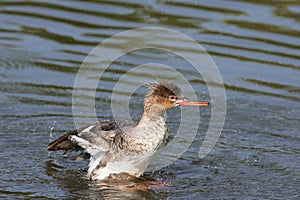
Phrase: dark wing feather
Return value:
(100, 128)
(63, 143)
(100, 134)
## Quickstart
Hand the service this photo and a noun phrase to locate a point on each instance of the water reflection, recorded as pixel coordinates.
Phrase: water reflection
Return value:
(115, 187)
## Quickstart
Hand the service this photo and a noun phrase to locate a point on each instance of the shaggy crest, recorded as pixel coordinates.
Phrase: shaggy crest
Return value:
(163, 89)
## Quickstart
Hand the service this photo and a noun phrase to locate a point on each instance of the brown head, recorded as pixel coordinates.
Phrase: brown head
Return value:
(167, 95)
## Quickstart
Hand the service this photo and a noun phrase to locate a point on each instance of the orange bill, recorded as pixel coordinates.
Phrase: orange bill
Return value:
(186, 102)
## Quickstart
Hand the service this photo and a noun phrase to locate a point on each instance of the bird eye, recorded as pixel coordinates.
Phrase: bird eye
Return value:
(172, 98)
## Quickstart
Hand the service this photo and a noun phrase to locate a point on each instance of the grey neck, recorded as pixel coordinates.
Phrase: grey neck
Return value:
(152, 113)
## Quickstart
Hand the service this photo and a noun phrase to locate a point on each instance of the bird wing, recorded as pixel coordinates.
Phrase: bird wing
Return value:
(93, 138)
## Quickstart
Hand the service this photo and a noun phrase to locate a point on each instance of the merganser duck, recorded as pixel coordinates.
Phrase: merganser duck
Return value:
(120, 147)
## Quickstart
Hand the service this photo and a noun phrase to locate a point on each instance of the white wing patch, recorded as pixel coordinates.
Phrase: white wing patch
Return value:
(86, 145)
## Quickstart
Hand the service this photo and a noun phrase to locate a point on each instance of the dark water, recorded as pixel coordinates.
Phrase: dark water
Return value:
(255, 44)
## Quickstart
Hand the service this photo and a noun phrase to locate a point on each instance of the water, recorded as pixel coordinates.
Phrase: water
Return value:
(255, 45)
